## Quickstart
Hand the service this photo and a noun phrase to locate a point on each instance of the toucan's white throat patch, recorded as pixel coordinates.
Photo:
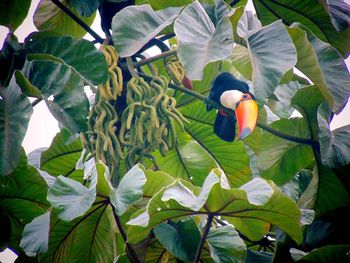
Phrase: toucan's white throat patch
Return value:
(230, 98)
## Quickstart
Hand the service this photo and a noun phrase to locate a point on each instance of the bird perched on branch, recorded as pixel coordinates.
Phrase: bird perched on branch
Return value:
(233, 94)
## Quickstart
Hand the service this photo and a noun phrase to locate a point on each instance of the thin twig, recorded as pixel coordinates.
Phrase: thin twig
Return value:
(203, 238)
(78, 20)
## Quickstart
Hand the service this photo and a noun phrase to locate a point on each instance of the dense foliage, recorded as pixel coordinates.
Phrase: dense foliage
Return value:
(136, 173)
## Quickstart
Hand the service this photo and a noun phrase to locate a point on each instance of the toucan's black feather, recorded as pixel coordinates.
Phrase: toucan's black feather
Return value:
(108, 10)
(225, 125)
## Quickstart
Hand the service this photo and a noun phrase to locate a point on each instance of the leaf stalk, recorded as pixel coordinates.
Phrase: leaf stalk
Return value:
(203, 238)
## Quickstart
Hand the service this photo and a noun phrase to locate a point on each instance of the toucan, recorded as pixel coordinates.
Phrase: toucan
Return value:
(233, 94)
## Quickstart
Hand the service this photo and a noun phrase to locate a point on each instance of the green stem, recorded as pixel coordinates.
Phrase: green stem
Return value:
(130, 250)
(131, 67)
(277, 133)
(203, 238)
(154, 58)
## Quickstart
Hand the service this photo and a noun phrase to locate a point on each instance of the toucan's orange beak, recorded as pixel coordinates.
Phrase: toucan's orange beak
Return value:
(246, 115)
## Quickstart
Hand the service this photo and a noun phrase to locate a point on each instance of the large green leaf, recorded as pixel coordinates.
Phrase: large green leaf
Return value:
(157, 253)
(307, 12)
(155, 181)
(62, 155)
(22, 198)
(306, 101)
(320, 62)
(134, 26)
(12, 57)
(85, 8)
(71, 199)
(200, 150)
(15, 112)
(89, 238)
(225, 245)
(70, 104)
(92, 68)
(49, 17)
(339, 11)
(241, 60)
(325, 192)
(180, 239)
(157, 5)
(129, 190)
(272, 54)
(330, 253)
(36, 235)
(245, 207)
(13, 12)
(334, 145)
(201, 43)
(279, 159)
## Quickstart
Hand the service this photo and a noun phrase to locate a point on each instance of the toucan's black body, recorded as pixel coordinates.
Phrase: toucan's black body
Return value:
(108, 10)
(225, 125)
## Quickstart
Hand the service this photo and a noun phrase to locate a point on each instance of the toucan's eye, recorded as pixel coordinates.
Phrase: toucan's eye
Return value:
(246, 97)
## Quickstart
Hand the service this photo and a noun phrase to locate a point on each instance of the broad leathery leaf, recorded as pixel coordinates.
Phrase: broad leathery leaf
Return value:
(280, 160)
(188, 160)
(85, 8)
(320, 62)
(70, 104)
(311, 14)
(226, 245)
(339, 11)
(49, 17)
(92, 68)
(181, 199)
(71, 199)
(62, 155)
(329, 253)
(230, 157)
(201, 43)
(242, 62)
(129, 190)
(157, 5)
(134, 26)
(306, 101)
(181, 239)
(334, 145)
(96, 232)
(325, 192)
(156, 253)
(22, 197)
(15, 113)
(35, 237)
(13, 12)
(272, 54)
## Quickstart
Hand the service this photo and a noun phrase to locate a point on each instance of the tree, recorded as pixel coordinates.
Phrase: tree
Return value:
(137, 174)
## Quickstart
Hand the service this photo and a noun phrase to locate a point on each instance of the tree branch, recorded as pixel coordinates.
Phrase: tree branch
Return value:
(232, 113)
(130, 250)
(154, 58)
(78, 20)
(203, 238)
(35, 102)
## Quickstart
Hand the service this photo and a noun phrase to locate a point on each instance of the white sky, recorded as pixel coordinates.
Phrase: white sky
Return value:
(43, 127)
